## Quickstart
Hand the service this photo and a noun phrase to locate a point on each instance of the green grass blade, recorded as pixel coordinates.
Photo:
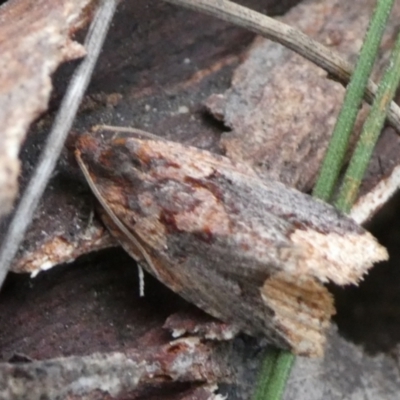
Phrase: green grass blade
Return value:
(274, 374)
(370, 133)
(277, 366)
(352, 101)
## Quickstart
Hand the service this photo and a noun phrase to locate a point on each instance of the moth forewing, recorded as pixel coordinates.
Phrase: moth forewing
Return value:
(136, 249)
(248, 251)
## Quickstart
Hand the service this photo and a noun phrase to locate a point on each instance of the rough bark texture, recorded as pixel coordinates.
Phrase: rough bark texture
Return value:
(35, 40)
(93, 309)
(115, 374)
(161, 87)
(158, 66)
(346, 372)
(214, 232)
(281, 108)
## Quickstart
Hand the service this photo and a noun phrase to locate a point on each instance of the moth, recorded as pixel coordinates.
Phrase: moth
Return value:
(249, 251)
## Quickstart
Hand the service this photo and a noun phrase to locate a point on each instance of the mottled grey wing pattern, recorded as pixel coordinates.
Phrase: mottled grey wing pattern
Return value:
(248, 251)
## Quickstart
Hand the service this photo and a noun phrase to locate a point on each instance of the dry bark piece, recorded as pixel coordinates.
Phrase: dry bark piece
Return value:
(281, 108)
(71, 311)
(177, 209)
(162, 86)
(340, 368)
(204, 326)
(346, 372)
(369, 204)
(36, 39)
(136, 107)
(75, 230)
(382, 180)
(115, 374)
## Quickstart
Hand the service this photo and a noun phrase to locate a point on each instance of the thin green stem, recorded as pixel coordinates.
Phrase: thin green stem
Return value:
(274, 374)
(370, 133)
(344, 125)
(277, 366)
(265, 374)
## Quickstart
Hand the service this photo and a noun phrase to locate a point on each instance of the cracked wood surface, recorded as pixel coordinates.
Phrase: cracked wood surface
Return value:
(36, 37)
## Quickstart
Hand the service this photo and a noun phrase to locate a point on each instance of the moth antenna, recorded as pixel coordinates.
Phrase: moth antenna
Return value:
(137, 132)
